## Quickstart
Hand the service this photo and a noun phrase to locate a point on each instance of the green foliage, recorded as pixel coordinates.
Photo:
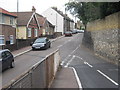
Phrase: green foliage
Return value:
(89, 11)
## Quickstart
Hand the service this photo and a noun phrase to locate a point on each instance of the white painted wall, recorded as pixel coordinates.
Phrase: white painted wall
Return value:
(55, 18)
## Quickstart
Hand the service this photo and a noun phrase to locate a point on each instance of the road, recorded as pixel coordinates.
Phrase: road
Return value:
(93, 72)
(24, 62)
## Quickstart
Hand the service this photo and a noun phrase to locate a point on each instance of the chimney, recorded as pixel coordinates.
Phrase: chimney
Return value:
(33, 9)
(66, 15)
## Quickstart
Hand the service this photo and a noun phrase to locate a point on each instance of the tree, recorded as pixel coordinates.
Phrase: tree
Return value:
(89, 11)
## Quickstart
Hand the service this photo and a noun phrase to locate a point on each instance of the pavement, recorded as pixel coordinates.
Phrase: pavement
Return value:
(65, 77)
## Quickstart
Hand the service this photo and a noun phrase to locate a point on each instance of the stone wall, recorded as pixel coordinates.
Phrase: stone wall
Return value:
(105, 34)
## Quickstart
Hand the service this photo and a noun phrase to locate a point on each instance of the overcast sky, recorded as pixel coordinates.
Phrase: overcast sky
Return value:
(26, 5)
(40, 5)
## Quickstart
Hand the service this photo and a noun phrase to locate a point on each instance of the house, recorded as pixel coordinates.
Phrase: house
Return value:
(56, 19)
(7, 29)
(68, 23)
(46, 28)
(27, 25)
(79, 25)
(60, 20)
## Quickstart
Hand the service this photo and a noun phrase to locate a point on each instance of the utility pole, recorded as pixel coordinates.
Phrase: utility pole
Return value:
(17, 24)
(65, 22)
(56, 22)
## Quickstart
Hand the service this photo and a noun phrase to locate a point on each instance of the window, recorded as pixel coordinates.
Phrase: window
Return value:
(11, 20)
(29, 32)
(36, 33)
(8, 54)
(47, 40)
(2, 40)
(3, 19)
(3, 55)
(11, 39)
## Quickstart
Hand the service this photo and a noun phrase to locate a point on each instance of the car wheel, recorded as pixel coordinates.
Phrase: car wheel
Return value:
(33, 49)
(49, 46)
(12, 64)
(46, 47)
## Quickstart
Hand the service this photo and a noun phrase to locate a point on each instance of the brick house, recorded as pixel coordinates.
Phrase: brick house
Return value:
(27, 25)
(7, 29)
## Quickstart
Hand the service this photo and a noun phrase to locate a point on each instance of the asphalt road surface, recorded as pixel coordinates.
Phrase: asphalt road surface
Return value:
(93, 72)
(24, 62)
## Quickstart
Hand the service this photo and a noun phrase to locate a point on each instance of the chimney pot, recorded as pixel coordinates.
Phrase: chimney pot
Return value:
(33, 9)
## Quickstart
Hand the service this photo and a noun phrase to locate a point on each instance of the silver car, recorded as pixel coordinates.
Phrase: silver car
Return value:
(41, 43)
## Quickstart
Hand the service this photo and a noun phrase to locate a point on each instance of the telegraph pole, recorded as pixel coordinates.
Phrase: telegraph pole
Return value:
(17, 24)
(65, 21)
(56, 22)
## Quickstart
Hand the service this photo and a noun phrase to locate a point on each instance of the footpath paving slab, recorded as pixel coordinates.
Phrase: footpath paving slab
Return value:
(65, 78)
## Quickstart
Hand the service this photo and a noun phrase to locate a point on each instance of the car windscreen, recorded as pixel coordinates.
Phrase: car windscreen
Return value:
(40, 40)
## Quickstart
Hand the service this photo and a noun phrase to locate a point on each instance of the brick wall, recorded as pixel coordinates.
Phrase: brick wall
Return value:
(7, 30)
(105, 34)
(20, 43)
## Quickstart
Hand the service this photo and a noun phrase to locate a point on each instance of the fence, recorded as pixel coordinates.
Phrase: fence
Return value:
(40, 75)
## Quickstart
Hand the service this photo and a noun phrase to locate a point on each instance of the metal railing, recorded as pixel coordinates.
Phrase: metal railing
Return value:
(39, 75)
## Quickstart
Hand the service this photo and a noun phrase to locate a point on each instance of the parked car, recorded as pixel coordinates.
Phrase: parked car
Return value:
(6, 59)
(41, 43)
(74, 31)
(80, 31)
(68, 33)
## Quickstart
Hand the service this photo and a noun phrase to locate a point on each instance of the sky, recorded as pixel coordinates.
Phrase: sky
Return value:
(26, 5)
(40, 5)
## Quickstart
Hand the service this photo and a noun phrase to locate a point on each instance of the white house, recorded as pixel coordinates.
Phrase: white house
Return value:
(55, 18)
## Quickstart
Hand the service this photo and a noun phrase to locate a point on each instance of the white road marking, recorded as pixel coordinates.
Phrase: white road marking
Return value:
(60, 46)
(74, 50)
(85, 62)
(79, 57)
(88, 64)
(69, 56)
(77, 78)
(70, 61)
(108, 77)
(65, 59)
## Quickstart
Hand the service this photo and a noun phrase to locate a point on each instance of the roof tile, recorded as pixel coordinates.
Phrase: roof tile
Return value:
(3, 11)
